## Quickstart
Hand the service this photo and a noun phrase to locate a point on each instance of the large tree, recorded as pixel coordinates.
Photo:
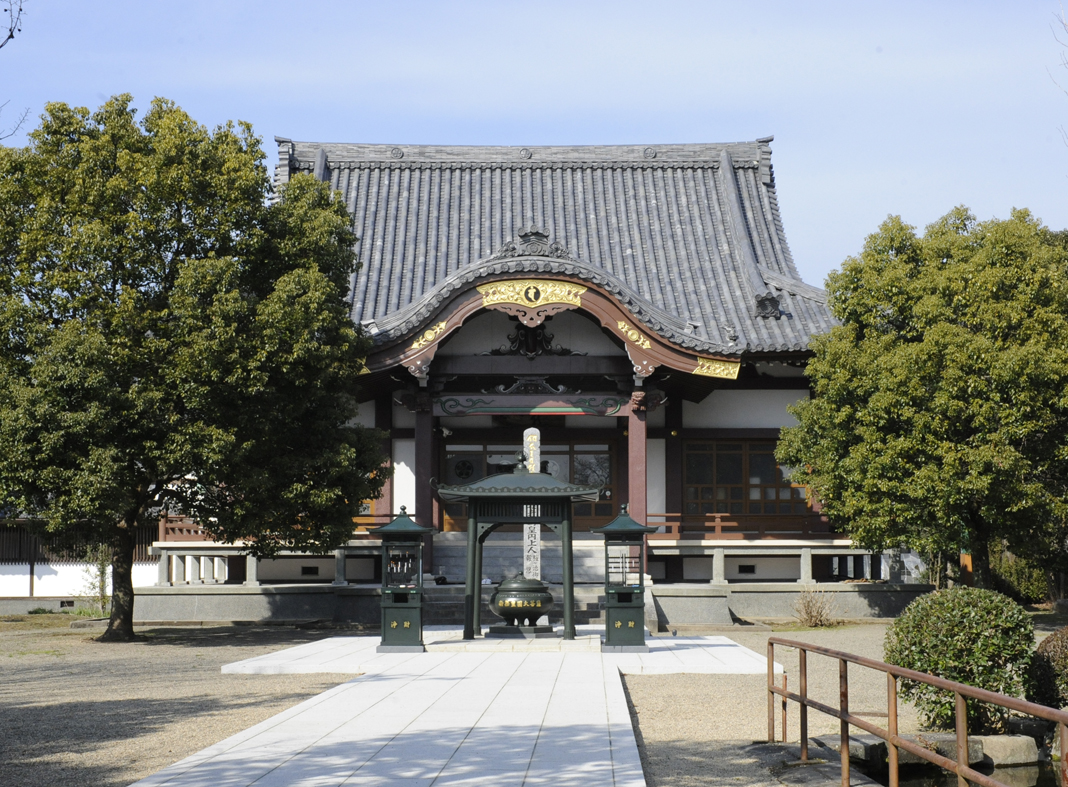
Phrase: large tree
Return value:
(170, 337)
(939, 418)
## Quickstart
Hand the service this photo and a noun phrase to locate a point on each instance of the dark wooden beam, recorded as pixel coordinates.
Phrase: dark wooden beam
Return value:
(547, 365)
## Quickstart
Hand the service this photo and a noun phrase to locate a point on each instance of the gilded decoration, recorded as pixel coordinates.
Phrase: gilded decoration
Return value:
(634, 335)
(429, 335)
(709, 367)
(531, 292)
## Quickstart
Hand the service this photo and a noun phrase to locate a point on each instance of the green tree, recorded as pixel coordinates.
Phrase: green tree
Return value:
(169, 338)
(940, 410)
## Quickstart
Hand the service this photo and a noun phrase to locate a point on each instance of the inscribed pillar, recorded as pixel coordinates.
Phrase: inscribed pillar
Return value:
(532, 532)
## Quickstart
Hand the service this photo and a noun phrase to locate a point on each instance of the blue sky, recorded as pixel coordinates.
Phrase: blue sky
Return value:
(877, 108)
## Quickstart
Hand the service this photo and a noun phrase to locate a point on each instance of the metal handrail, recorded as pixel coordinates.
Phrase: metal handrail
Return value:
(961, 693)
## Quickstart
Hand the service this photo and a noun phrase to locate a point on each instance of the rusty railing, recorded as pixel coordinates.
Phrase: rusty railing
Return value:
(961, 692)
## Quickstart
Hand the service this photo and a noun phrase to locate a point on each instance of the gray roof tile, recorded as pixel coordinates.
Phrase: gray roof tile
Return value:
(688, 235)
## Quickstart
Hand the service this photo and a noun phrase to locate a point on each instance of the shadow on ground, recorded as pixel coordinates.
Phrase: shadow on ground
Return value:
(35, 734)
(501, 755)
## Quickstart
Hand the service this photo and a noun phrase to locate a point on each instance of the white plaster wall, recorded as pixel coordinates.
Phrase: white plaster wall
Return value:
(481, 333)
(742, 409)
(365, 415)
(404, 475)
(696, 568)
(145, 574)
(768, 569)
(14, 580)
(403, 418)
(655, 477)
(490, 330)
(288, 568)
(576, 332)
(589, 422)
(65, 579)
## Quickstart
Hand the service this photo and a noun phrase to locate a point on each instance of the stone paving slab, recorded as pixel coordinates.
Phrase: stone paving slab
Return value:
(452, 716)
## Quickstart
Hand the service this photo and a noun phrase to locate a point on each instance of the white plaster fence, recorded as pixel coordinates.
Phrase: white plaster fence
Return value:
(60, 579)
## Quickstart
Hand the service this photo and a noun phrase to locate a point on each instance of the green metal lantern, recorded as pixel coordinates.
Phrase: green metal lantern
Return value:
(624, 583)
(402, 584)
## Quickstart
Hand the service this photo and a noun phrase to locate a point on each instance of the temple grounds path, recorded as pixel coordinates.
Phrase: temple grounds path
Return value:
(78, 712)
(74, 711)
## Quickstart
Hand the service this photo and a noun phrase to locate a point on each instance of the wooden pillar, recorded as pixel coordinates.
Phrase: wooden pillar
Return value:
(673, 456)
(477, 608)
(384, 421)
(472, 585)
(568, 578)
(636, 445)
(424, 471)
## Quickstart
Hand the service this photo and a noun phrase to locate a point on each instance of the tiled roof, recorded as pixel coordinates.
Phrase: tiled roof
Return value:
(688, 236)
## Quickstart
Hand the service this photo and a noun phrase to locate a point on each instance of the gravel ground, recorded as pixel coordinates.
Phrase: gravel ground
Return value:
(697, 729)
(75, 711)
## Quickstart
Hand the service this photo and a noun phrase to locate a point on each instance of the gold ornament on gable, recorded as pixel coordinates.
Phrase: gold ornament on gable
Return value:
(531, 292)
(711, 367)
(429, 335)
(634, 335)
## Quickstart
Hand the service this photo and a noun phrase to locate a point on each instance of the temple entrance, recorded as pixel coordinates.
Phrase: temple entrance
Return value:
(520, 497)
(583, 462)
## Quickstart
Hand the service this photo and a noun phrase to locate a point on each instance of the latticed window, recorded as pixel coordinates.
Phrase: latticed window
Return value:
(738, 477)
(590, 464)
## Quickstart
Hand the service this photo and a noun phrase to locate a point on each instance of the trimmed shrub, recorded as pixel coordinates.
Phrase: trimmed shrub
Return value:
(1017, 578)
(977, 637)
(1049, 671)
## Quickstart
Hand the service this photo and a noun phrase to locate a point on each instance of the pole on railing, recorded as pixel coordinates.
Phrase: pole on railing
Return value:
(962, 735)
(891, 726)
(803, 660)
(843, 704)
(771, 694)
(785, 738)
(1062, 731)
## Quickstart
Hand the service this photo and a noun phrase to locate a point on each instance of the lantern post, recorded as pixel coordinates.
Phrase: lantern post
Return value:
(402, 585)
(624, 583)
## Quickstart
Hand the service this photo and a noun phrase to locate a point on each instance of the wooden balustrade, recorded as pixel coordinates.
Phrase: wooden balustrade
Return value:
(732, 526)
(182, 529)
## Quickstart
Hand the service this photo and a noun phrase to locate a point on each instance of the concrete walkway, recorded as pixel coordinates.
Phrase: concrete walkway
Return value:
(463, 713)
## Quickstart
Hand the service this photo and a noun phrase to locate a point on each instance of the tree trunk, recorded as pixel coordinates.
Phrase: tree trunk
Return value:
(979, 546)
(120, 627)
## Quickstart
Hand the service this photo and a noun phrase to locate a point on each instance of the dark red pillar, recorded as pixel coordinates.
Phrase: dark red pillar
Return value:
(636, 465)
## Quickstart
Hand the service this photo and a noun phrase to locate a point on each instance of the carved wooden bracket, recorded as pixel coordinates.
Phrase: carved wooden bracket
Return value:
(414, 401)
(647, 401)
